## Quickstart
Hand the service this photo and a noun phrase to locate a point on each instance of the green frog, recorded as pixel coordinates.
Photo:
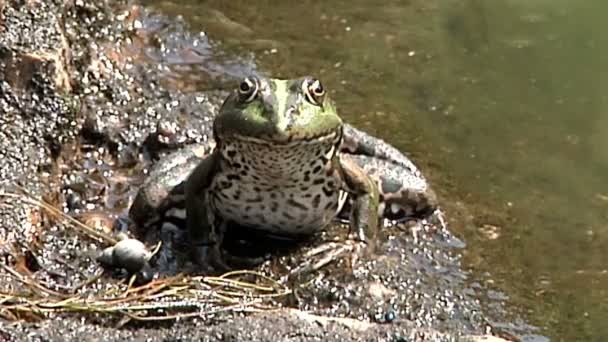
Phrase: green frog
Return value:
(286, 164)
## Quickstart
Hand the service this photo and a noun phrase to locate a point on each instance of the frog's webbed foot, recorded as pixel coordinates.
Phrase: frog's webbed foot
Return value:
(213, 259)
(330, 252)
(363, 222)
(216, 259)
(243, 262)
(210, 258)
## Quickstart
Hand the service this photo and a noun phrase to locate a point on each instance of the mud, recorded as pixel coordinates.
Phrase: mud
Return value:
(92, 94)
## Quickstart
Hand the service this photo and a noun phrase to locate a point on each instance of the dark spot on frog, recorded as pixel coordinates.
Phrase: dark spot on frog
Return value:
(366, 149)
(319, 181)
(316, 201)
(287, 216)
(296, 204)
(331, 205)
(390, 187)
(274, 206)
(231, 153)
(307, 176)
(317, 169)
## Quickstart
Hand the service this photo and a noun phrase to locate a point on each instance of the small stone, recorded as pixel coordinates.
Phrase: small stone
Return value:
(130, 254)
(390, 316)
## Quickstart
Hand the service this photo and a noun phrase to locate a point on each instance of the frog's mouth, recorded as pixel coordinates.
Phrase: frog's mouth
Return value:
(292, 139)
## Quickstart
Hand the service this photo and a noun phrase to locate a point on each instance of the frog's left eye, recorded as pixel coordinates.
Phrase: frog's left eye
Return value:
(314, 91)
(248, 89)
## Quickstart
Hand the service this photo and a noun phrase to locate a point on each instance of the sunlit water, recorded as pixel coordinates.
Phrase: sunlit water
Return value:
(502, 103)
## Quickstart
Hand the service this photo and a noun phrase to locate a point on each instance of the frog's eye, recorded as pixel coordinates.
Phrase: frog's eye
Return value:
(248, 89)
(314, 91)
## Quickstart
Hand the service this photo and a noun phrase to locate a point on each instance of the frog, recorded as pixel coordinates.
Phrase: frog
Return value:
(283, 162)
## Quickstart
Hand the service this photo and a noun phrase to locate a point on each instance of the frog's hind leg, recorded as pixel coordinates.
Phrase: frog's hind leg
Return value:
(404, 192)
(357, 142)
(403, 195)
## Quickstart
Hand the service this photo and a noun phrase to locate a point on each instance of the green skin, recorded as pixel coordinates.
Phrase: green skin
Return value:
(284, 163)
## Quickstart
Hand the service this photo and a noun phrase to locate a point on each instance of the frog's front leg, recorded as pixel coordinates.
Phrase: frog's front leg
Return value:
(364, 221)
(204, 226)
(364, 216)
(404, 192)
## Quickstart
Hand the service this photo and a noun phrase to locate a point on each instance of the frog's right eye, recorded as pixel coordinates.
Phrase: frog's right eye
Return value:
(314, 91)
(248, 89)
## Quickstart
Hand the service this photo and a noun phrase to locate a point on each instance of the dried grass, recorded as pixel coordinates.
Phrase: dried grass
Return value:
(163, 299)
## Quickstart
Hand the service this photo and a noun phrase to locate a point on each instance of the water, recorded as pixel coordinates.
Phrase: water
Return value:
(502, 103)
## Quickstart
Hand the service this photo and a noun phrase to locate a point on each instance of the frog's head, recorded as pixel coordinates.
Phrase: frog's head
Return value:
(278, 111)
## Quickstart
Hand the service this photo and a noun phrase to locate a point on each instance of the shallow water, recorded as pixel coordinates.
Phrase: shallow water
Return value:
(502, 104)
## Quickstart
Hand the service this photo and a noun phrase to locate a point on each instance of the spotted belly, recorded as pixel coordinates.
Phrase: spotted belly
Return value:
(288, 210)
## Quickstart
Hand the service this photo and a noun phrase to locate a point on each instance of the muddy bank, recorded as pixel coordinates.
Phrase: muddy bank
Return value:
(91, 97)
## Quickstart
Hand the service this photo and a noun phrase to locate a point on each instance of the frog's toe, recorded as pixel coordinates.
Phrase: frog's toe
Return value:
(243, 262)
(210, 258)
(329, 252)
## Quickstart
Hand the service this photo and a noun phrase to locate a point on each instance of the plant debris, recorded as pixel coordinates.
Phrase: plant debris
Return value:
(162, 299)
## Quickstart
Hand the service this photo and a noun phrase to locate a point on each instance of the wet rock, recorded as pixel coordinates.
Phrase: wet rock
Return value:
(73, 201)
(21, 69)
(76, 106)
(32, 45)
(35, 116)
